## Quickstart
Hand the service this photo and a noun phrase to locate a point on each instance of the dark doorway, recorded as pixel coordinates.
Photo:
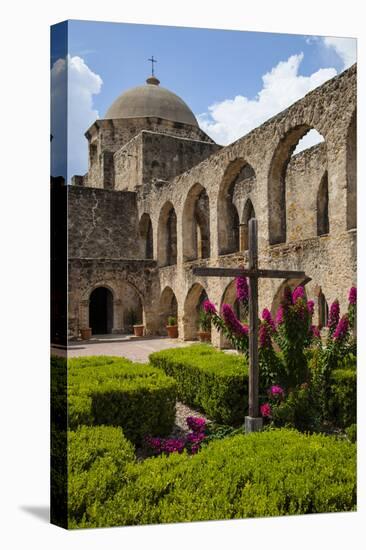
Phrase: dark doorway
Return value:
(101, 311)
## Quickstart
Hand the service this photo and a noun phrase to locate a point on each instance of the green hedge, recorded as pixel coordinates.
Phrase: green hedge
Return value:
(211, 380)
(271, 473)
(343, 396)
(114, 391)
(97, 459)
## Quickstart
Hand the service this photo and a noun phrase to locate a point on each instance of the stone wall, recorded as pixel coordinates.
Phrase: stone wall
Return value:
(102, 223)
(151, 156)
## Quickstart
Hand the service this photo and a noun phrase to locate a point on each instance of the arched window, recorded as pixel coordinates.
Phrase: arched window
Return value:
(146, 237)
(237, 182)
(101, 311)
(167, 236)
(196, 224)
(248, 214)
(352, 174)
(322, 207)
(277, 180)
(323, 310)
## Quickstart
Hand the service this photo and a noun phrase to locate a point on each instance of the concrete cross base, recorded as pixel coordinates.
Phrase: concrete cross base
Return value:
(253, 424)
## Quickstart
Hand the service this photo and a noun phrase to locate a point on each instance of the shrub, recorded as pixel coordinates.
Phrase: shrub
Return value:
(207, 379)
(351, 433)
(271, 473)
(117, 392)
(343, 396)
(97, 458)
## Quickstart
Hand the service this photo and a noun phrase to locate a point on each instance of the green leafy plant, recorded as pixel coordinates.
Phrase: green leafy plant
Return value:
(114, 391)
(270, 473)
(204, 321)
(172, 321)
(208, 379)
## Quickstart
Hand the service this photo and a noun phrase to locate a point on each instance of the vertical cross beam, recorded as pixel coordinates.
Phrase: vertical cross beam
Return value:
(253, 422)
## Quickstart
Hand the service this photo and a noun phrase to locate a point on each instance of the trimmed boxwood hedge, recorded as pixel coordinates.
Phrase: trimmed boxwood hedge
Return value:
(343, 396)
(208, 379)
(116, 392)
(270, 473)
(97, 458)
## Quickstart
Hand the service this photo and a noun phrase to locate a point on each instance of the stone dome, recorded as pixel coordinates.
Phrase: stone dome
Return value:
(151, 100)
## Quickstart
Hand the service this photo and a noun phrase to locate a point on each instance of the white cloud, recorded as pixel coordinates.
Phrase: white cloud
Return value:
(230, 119)
(346, 49)
(82, 84)
(311, 138)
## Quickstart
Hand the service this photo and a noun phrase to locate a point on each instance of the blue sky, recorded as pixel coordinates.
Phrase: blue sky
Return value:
(224, 76)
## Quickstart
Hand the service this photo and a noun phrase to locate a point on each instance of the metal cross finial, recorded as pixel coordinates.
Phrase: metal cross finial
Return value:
(152, 64)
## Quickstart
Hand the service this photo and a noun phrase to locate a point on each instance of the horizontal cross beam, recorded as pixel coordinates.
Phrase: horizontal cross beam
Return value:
(237, 272)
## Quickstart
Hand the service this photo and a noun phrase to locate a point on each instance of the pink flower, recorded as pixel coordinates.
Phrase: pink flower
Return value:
(333, 315)
(276, 390)
(310, 306)
(242, 289)
(342, 328)
(315, 331)
(196, 424)
(209, 307)
(279, 316)
(232, 323)
(352, 296)
(266, 410)
(264, 335)
(298, 293)
(173, 445)
(266, 316)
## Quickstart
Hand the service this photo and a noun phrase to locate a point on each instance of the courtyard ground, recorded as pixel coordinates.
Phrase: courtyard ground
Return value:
(134, 349)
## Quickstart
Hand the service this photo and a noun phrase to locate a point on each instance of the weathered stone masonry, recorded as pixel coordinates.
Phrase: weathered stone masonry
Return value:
(160, 197)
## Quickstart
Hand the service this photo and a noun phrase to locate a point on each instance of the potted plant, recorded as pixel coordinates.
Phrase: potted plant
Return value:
(204, 334)
(131, 320)
(85, 333)
(172, 327)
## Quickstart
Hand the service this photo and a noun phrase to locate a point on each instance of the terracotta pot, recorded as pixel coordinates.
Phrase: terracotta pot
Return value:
(86, 333)
(172, 331)
(204, 335)
(138, 330)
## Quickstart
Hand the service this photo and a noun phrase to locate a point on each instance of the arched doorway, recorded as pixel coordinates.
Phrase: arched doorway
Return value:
(168, 307)
(238, 181)
(277, 181)
(101, 311)
(167, 236)
(146, 237)
(192, 306)
(196, 224)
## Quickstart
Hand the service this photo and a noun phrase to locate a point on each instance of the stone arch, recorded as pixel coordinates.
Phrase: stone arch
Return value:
(101, 310)
(292, 283)
(192, 305)
(352, 173)
(277, 182)
(146, 237)
(196, 224)
(322, 206)
(168, 307)
(248, 214)
(167, 235)
(238, 179)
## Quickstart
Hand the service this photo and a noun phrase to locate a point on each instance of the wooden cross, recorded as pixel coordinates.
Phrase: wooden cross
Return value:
(152, 64)
(253, 422)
